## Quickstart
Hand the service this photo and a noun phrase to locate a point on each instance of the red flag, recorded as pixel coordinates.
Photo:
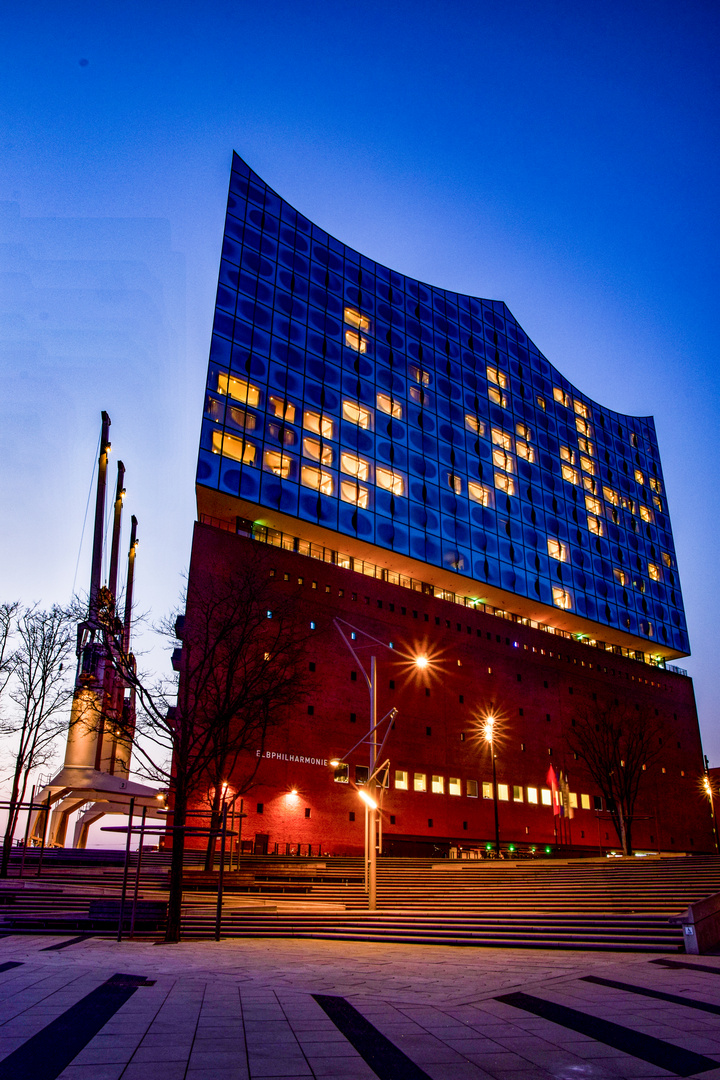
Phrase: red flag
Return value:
(553, 783)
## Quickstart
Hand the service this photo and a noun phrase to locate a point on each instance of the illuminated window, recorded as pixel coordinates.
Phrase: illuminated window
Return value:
(517, 793)
(628, 504)
(523, 431)
(646, 513)
(419, 782)
(480, 493)
(562, 598)
(238, 389)
(566, 454)
(419, 375)
(540, 401)
(532, 794)
(639, 476)
(581, 409)
(655, 484)
(611, 496)
(593, 505)
(276, 462)
(420, 395)
(454, 786)
(233, 448)
(585, 802)
(390, 481)
(501, 438)
(471, 786)
(505, 483)
(360, 322)
(354, 465)
(503, 460)
(357, 414)
(666, 558)
(498, 377)
(401, 780)
(438, 785)
(317, 479)
(282, 434)
(586, 447)
(314, 449)
(590, 484)
(282, 408)
(524, 450)
(657, 502)
(546, 796)
(582, 426)
(570, 474)
(244, 419)
(474, 424)
(587, 464)
(573, 800)
(503, 792)
(355, 341)
(561, 396)
(352, 492)
(455, 483)
(620, 576)
(386, 404)
(321, 425)
(653, 571)
(556, 550)
(487, 790)
(497, 396)
(595, 525)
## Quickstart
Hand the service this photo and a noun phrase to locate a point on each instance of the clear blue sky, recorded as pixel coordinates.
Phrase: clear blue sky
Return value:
(561, 157)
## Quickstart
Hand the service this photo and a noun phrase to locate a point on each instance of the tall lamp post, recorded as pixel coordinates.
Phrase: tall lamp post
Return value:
(489, 733)
(707, 787)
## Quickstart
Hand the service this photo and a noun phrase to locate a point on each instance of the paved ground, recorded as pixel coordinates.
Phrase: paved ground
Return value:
(256, 1010)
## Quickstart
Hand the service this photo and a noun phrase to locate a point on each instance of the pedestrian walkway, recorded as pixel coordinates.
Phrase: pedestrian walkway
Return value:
(83, 1008)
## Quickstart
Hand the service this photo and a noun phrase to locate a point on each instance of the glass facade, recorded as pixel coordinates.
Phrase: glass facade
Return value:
(347, 395)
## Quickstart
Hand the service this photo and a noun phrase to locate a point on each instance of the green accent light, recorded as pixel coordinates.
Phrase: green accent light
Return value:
(511, 847)
(488, 847)
(548, 850)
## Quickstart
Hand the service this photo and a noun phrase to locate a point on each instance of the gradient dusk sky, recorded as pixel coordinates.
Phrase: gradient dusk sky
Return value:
(561, 157)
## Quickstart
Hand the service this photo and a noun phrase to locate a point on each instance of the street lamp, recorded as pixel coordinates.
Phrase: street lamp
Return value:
(707, 788)
(489, 735)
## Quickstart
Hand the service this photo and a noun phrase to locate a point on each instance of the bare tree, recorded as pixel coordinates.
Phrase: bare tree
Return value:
(240, 665)
(617, 742)
(8, 619)
(40, 690)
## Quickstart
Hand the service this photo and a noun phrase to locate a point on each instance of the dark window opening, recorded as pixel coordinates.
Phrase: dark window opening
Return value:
(312, 665)
(311, 710)
(351, 815)
(462, 702)
(260, 807)
(427, 692)
(392, 819)
(353, 717)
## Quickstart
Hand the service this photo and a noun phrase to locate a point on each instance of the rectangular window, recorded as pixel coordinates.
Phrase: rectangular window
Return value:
(419, 375)
(595, 525)
(354, 465)
(573, 800)
(581, 409)
(276, 462)
(586, 447)
(480, 493)
(357, 414)
(523, 431)
(419, 783)
(620, 575)
(352, 492)
(517, 793)
(571, 475)
(657, 502)
(420, 395)
(242, 418)
(587, 465)
(355, 341)
(495, 375)
(655, 484)
(566, 454)
(582, 426)
(540, 402)
(314, 449)
(474, 424)
(438, 785)
(401, 779)
(360, 322)
(503, 460)
(590, 484)
(454, 786)
(503, 792)
(390, 481)
(501, 438)
(487, 790)
(562, 599)
(471, 786)
(321, 425)
(561, 397)
(498, 397)
(282, 408)
(239, 390)
(653, 571)
(532, 794)
(317, 479)
(546, 796)
(342, 773)
(233, 448)
(387, 404)
(362, 774)
(611, 496)
(455, 483)
(585, 802)
(524, 450)
(593, 505)
(505, 483)
(556, 550)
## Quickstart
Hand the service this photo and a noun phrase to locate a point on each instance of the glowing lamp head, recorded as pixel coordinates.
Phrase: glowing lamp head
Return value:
(293, 791)
(368, 799)
(334, 763)
(489, 728)
(421, 662)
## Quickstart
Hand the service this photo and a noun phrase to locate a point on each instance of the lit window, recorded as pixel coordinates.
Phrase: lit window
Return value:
(352, 492)
(480, 493)
(653, 571)
(354, 465)
(501, 438)
(503, 792)
(386, 404)
(656, 500)
(593, 505)
(454, 786)
(437, 785)
(355, 341)
(419, 783)
(639, 476)
(581, 409)
(239, 390)
(401, 780)
(595, 525)
(561, 598)
(587, 464)
(561, 396)
(497, 396)
(582, 426)
(321, 425)
(420, 395)
(666, 558)
(390, 481)
(455, 483)
(487, 790)
(646, 513)
(570, 474)
(524, 450)
(655, 484)
(590, 484)
(517, 793)
(628, 504)
(505, 483)
(281, 433)
(342, 773)
(503, 460)
(317, 479)
(540, 402)
(573, 800)
(357, 414)
(314, 449)
(473, 424)
(586, 447)
(472, 789)
(282, 408)
(245, 419)
(419, 375)
(523, 431)
(620, 576)
(360, 322)
(276, 462)
(611, 496)
(498, 377)
(546, 796)
(233, 448)
(532, 794)
(556, 550)
(585, 802)
(566, 454)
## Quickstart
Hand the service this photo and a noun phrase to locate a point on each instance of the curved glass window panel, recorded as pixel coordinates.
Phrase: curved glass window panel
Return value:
(540, 402)
(503, 460)
(593, 505)
(356, 319)
(571, 475)
(582, 426)
(586, 447)
(320, 424)
(238, 389)
(561, 397)
(524, 450)
(354, 465)
(505, 483)
(497, 397)
(481, 493)
(276, 462)
(455, 483)
(657, 502)
(473, 423)
(496, 376)
(562, 598)
(242, 418)
(282, 434)
(556, 549)
(388, 405)
(654, 572)
(318, 451)
(587, 465)
(317, 479)
(523, 431)
(419, 375)
(581, 409)
(231, 447)
(355, 341)
(566, 454)
(655, 484)
(595, 525)
(390, 481)
(357, 414)
(419, 395)
(666, 558)
(620, 576)
(501, 438)
(590, 484)
(646, 513)
(353, 492)
(611, 495)
(639, 478)
(282, 408)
